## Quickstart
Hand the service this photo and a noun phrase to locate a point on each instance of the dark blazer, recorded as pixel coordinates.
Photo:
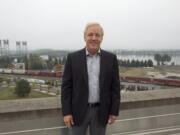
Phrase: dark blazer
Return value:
(74, 90)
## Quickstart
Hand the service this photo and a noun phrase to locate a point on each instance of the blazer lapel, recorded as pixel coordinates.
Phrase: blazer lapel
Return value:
(102, 69)
(83, 62)
(84, 66)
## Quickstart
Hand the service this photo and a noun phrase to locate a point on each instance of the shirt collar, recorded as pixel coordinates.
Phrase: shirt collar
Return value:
(88, 54)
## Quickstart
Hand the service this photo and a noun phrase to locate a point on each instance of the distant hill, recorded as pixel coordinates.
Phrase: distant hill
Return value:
(43, 50)
(60, 53)
(51, 52)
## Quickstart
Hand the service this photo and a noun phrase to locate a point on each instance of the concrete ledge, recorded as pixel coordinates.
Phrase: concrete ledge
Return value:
(129, 100)
(29, 104)
(150, 95)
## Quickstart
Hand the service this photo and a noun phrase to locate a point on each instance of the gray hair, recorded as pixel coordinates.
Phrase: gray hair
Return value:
(93, 24)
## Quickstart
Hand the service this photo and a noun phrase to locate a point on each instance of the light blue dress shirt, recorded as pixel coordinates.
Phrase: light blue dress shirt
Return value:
(93, 67)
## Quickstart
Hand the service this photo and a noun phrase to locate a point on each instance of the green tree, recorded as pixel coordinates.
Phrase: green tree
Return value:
(145, 63)
(56, 61)
(150, 63)
(142, 63)
(158, 58)
(5, 61)
(50, 63)
(22, 88)
(137, 63)
(127, 63)
(166, 58)
(133, 63)
(35, 62)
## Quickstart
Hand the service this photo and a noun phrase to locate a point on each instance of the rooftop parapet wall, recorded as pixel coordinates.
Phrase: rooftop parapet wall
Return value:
(19, 105)
(129, 100)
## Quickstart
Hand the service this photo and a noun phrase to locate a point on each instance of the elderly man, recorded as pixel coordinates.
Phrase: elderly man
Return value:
(90, 86)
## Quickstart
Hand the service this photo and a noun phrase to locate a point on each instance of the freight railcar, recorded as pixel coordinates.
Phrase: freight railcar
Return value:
(46, 73)
(158, 81)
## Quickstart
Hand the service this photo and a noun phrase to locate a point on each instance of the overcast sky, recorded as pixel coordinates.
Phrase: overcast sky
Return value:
(59, 24)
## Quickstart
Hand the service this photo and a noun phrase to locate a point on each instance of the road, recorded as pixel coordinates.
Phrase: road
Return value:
(161, 120)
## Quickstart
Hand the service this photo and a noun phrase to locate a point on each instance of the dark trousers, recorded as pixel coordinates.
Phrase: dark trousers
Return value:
(91, 122)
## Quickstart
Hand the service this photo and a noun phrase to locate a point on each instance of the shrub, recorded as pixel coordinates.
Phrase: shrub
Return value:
(22, 88)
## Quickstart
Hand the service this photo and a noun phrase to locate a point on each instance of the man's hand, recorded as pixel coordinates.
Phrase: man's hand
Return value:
(68, 120)
(112, 119)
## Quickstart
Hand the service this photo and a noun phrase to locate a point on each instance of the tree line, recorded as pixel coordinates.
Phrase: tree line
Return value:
(33, 62)
(161, 59)
(135, 63)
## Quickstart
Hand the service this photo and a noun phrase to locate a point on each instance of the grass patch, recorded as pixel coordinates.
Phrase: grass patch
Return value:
(172, 69)
(131, 71)
(8, 93)
(161, 70)
(143, 72)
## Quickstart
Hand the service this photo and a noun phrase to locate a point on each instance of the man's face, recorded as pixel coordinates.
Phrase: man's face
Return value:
(93, 38)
